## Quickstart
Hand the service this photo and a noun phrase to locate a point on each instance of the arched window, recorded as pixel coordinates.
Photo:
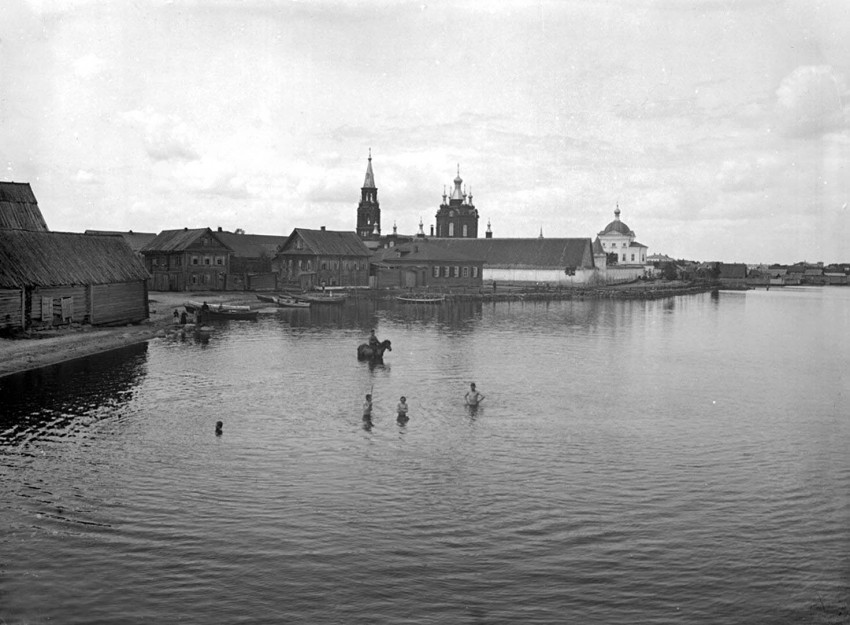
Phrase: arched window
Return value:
(465, 230)
(451, 228)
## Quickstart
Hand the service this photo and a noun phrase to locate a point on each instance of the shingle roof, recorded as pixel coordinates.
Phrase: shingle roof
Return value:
(251, 245)
(177, 240)
(30, 258)
(19, 208)
(136, 240)
(325, 242)
(526, 253)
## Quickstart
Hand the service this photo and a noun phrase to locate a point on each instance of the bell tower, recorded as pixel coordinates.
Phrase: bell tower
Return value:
(369, 211)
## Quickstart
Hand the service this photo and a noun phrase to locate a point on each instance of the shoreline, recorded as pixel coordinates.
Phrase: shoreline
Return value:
(19, 355)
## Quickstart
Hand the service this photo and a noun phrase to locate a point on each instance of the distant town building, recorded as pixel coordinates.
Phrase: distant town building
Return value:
(369, 210)
(457, 216)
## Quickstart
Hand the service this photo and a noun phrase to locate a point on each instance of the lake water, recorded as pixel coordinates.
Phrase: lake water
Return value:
(676, 461)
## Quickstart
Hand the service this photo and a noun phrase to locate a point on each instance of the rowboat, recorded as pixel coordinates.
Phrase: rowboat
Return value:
(221, 311)
(412, 299)
(322, 299)
(283, 301)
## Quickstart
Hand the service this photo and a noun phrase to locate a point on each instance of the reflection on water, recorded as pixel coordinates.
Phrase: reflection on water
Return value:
(681, 460)
(42, 402)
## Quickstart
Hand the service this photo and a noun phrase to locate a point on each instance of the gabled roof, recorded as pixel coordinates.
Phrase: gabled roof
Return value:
(251, 245)
(136, 240)
(597, 247)
(636, 244)
(19, 208)
(526, 253)
(423, 251)
(324, 243)
(178, 240)
(30, 258)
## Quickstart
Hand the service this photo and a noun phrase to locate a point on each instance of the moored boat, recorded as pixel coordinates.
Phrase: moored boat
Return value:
(221, 311)
(422, 299)
(322, 299)
(291, 302)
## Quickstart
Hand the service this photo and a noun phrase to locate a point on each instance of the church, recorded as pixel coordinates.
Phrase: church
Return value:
(615, 255)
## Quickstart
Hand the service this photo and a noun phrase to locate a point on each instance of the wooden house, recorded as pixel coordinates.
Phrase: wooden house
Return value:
(315, 258)
(19, 208)
(425, 264)
(732, 275)
(187, 260)
(251, 261)
(56, 278)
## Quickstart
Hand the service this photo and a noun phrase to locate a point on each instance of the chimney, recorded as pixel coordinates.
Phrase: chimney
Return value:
(432, 229)
(219, 228)
(323, 228)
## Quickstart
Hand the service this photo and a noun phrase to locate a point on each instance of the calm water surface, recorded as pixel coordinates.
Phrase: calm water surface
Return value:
(677, 461)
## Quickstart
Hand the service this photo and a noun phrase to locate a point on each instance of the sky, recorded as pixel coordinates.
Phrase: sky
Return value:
(720, 128)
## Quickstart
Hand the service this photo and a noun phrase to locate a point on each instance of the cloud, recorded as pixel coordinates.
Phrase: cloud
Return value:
(811, 101)
(85, 177)
(88, 66)
(167, 138)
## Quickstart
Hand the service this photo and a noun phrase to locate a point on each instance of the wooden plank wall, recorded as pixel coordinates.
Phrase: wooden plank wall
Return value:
(11, 309)
(119, 303)
(79, 308)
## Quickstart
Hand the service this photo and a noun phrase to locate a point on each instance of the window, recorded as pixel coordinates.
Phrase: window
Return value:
(633, 256)
(445, 272)
(194, 278)
(194, 260)
(219, 260)
(465, 230)
(475, 272)
(466, 272)
(456, 271)
(324, 264)
(451, 229)
(206, 278)
(309, 265)
(299, 244)
(300, 265)
(436, 271)
(207, 260)
(624, 258)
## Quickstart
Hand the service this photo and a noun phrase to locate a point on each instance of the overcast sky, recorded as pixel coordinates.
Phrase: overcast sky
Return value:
(722, 128)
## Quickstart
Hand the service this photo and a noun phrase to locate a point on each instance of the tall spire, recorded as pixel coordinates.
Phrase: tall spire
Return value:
(369, 182)
(457, 193)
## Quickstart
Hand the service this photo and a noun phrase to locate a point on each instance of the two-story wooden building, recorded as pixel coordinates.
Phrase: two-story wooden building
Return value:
(314, 258)
(191, 259)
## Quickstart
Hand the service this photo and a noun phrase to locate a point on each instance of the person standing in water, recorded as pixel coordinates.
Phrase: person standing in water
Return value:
(402, 410)
(473, 397)
(218, 428)
(367, 408)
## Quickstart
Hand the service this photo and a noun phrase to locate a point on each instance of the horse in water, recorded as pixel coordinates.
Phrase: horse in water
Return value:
(374, 354)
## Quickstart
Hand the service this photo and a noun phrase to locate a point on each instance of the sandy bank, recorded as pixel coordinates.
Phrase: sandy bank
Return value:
(51, 347)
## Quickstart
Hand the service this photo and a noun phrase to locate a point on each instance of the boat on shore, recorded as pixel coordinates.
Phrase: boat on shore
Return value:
(221, 311)
(421, 299)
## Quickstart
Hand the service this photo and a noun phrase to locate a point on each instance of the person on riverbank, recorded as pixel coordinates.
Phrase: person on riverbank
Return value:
(218, 428)
(401, 409)
(473, 397)
(176, 317)
(367, 408)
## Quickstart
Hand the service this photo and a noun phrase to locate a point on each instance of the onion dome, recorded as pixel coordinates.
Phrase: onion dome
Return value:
(617, 226)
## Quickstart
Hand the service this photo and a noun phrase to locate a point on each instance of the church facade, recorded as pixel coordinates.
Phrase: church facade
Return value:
(457, 216)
